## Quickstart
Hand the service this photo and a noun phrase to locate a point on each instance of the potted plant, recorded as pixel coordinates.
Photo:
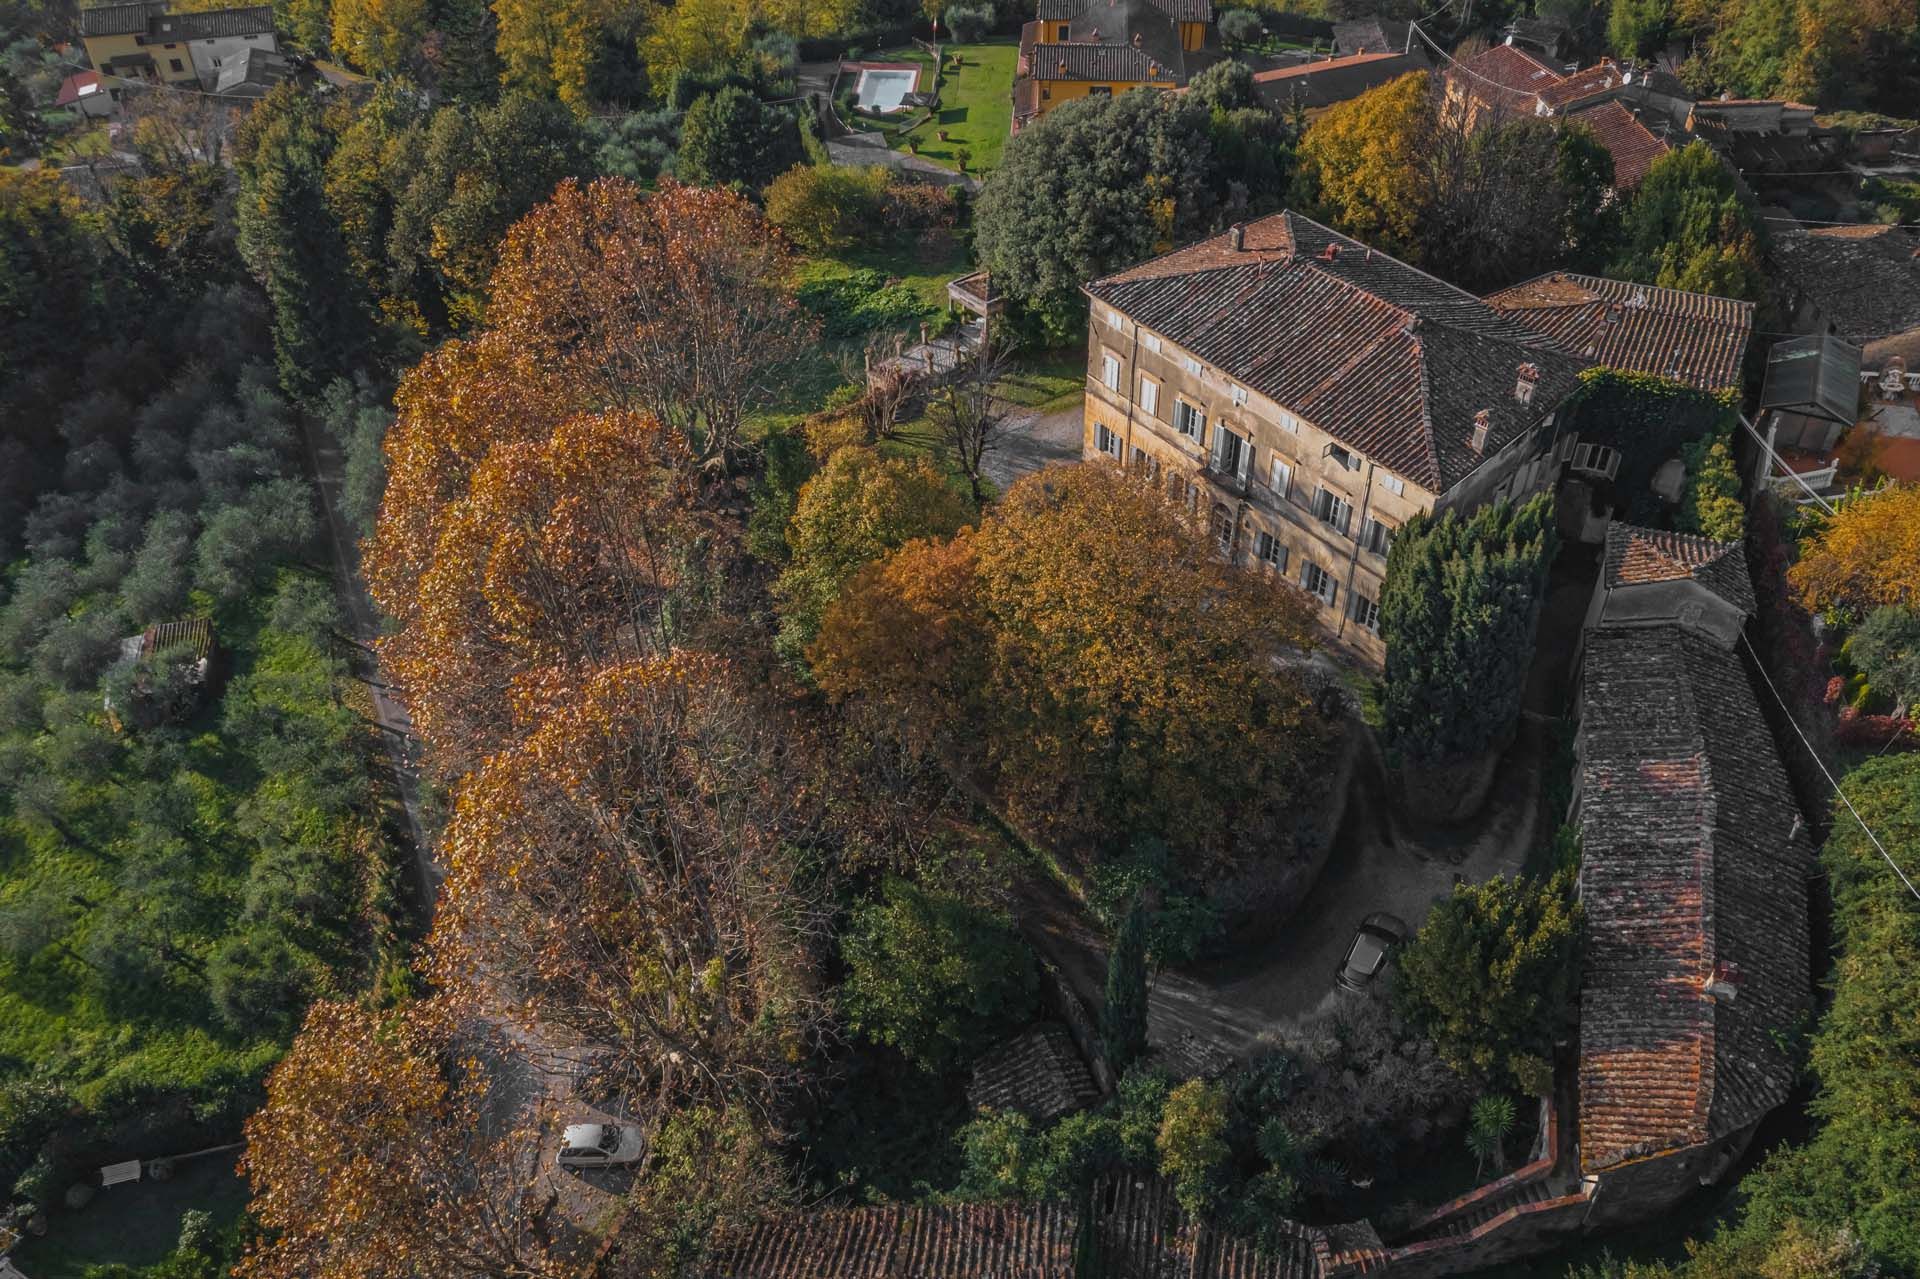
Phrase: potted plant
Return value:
(961, 157)
(943, 135)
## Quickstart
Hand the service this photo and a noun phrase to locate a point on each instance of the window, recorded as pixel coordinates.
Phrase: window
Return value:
(1394, 485)
(1596, 459)
(1113, 319)
(1231, 453)
(1110, 372)
(1289, 423)
(1364, 611)
(1332, 509)
(1239, 395)
(1188, 420)
(1107, 442)
(1100, 91)
(1317, 582)
(1375, 536)
(1272, 551)
(1143, 462)
(1190, 364)
(1151, 342)
(1149, 395)
(1222, 521)
(1343, 457)
(176, 65)
(1280, 477)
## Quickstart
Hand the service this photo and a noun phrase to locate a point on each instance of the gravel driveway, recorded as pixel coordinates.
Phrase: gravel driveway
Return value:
(1035, 440)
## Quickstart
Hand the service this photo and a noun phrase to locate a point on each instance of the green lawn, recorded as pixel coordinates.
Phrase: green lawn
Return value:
(976, 107)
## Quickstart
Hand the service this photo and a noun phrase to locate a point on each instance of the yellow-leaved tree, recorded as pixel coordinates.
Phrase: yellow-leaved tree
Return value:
(1865, 556)
(708, 35)
(1361, 164)
(380, 37)
(548, 46)
(1087, 652)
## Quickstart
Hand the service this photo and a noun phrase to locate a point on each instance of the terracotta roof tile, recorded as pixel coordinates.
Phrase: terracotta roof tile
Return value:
(1039, 1074)
(1636, 556)
(1693, 864)
(1581, 85)
(1694, 338)
(1321, 84)
(1385, 358)
(1505, 77)
(1632, 145)
(1864, 280)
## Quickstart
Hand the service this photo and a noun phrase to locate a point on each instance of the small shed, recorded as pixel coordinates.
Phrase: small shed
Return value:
(167, 670)
(1813, 385)
(1038, 1073)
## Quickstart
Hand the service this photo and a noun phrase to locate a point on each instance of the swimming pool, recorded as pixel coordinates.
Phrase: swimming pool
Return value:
(884, 90)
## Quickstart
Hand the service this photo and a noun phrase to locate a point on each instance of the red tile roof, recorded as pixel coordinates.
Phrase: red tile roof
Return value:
(967, 1241)
(1693, 867)
(1581, 85)
(1638, 556)
(1504, 77)
(1632, 145)
(1383, 357)
(74, 87)
(1694, 338)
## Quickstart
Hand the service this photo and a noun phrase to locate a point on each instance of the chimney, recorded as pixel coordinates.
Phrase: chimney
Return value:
(1529, 375)
(1722, 985)
(1331, 253)
(1482, 426)
(1237, 236)
(1136, 39)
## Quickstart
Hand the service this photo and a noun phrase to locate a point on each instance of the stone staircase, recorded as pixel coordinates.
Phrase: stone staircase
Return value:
(1471, 1216)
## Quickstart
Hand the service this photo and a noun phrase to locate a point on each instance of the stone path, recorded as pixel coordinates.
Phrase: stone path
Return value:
(1035, 440)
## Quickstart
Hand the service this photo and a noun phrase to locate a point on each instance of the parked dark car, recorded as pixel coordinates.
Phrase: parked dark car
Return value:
(1377, 937)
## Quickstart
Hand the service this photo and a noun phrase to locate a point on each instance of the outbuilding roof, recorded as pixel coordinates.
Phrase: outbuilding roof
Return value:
(1864, 280)
(1637, 556)
(1818, 375)
(1176, 10)
(1505, 77)
(1693, 880)
(1695, 338)
(1388, 360)
(1038, 1073)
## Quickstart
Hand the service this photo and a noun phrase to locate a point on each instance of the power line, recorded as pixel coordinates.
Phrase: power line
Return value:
(1821, 764)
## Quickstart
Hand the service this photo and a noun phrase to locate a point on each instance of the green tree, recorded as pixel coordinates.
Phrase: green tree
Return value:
(856, 509)
(1458, 612)
(1227, 85)
(1639, 28)
(1123, 1016)
(1711, 505)
(1688, 227)
(933, 975)
(1886, 649)
(1192, 1142)
(1490, 973)
(1854, 1176)
(731, 136)
(322, 319)
(825, 207)
(1093, 186)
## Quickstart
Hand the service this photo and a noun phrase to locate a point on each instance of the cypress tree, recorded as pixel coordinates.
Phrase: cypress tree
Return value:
(322, 317)
(1458, 612)
(1123, 1019)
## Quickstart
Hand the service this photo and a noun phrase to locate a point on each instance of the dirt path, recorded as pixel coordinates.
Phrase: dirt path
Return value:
(396, 729)
(1035, 440)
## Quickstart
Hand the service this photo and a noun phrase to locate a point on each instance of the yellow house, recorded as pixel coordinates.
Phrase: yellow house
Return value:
(144, 41)
(1076, 49)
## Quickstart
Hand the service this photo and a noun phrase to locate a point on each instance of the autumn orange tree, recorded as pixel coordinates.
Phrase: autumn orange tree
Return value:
(626, 871)
(1089, 657)
(1864, 556)
(387, 1150)
(677, 303)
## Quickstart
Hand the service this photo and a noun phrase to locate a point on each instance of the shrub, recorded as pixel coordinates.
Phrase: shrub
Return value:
(1886, 648)
(859, 303)
(824, 208)
(934, 976)
(1711, 505)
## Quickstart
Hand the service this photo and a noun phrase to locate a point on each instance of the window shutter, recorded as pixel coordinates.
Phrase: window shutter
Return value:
(1246, 458)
